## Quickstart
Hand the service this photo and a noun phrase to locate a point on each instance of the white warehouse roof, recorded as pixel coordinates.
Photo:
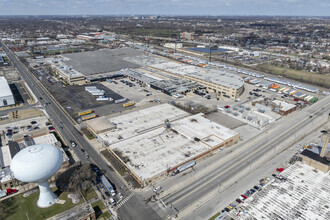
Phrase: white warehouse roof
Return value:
(4, 88)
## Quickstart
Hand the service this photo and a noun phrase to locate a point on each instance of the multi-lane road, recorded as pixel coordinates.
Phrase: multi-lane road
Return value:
(252, 154)
(134, 207)
(230, 170)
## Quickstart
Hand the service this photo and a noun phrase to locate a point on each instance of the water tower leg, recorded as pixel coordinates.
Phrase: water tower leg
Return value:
(47, 197)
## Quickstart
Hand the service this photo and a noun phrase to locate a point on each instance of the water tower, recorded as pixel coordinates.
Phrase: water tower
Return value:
(37, 163)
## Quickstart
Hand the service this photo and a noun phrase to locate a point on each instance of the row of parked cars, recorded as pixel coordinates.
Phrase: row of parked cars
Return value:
(250, 192)
(204, 95)
(127, 83)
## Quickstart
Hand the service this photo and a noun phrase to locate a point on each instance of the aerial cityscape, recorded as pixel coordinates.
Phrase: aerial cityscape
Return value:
(154, 110)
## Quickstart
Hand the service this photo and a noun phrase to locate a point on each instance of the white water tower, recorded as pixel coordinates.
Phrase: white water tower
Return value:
(37, 163)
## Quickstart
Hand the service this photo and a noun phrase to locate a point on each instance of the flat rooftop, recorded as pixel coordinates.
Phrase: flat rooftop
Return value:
(220, 77)
(140, 121)
(77, 212)
(151, 148)
(101, 61)
(4, 88)
(303, 193)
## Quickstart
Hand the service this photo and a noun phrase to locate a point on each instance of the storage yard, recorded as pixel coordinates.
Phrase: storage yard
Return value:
(75, 99)
(300, 191)
(153, 147)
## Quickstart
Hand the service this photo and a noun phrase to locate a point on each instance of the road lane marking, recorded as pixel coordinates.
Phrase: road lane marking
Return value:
(217, 176)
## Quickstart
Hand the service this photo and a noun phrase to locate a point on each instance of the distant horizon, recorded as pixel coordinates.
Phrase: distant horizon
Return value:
(319, 8)
(162, 15)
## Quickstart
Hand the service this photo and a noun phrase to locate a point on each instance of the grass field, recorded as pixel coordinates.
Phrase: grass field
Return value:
(302, 76)
(20, 207)
(98, 207)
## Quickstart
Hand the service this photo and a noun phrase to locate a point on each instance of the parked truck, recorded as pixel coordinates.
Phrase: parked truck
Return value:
(184, 167)
(108, 185)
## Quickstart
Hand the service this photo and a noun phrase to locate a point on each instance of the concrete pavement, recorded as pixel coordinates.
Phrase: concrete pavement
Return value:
(134, 209)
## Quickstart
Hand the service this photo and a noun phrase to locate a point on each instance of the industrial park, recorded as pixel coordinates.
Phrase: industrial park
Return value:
(128, 117)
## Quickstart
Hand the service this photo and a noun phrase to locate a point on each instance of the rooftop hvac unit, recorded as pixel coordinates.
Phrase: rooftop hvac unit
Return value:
(247, 108)
(249, 118)
(235, 113)
(241, 110)
(261, 110)
(241, 106)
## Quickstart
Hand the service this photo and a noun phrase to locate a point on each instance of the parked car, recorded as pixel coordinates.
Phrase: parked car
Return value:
(280, 169)
(73, 144)
(157, 189)
(227, 210)
(256, 187)
(252, 191)
(244, 196)
(238, 200)
(274, 175)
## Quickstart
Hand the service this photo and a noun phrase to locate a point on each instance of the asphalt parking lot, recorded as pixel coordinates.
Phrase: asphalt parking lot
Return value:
(75, 99)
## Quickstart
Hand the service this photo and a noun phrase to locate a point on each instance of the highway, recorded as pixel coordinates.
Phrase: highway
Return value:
(134, 208)
(252, 154)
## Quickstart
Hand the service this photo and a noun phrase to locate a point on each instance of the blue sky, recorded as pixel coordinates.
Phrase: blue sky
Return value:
(165, 7)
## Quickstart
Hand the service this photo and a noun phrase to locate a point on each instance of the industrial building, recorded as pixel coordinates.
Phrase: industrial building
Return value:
(6, 95)
(167, 84)
(299, 192)
(85, 67)
(317, 156)
(222, 82)
(151, 143)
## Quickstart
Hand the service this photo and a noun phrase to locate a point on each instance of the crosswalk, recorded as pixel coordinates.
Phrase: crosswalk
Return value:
(161, 204)
(124, 200)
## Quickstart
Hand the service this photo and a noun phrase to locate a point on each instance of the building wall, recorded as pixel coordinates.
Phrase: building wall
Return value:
(231, 92)
(77, 80)
(9, 184)
(167, 173)
(320, 166)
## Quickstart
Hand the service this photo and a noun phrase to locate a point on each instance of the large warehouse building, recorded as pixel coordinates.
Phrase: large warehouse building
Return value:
(6, 96)
(151, 143)
(79, 68)
(222, 82)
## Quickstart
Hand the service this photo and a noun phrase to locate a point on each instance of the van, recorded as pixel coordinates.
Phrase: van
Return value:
(112, 201)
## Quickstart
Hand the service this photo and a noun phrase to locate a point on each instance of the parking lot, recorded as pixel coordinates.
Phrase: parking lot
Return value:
(75, 99)
(17, 129)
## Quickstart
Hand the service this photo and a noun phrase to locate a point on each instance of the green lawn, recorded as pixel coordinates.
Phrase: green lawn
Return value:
(98, 207)
(90, 193)
(303, 76)
(214, 216)
(21, 207)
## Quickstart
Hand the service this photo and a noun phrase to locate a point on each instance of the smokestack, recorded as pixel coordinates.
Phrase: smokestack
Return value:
(325, 145)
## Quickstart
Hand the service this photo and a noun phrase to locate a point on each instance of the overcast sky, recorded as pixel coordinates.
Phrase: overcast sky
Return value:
(165, 7)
